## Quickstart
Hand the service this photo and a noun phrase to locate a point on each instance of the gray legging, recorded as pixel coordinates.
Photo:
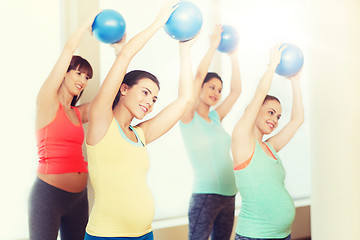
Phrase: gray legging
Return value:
(51, 209)
(211, 214)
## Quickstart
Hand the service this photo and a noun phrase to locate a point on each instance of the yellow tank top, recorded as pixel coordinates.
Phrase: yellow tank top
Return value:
(124, 205)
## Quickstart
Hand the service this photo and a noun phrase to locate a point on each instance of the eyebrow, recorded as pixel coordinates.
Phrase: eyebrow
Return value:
(150, 92)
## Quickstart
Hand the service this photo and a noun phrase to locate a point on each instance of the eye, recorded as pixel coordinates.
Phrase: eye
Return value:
(145, 92)
(154, 100)
(271, 112)
(219, 90)
(212, 88)
(278, 117)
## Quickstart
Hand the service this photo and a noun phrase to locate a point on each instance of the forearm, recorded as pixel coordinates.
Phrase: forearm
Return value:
(74, 41)
(185, 89)
(235, 87)
(297, 112)
(138, 42)
(205, 63)
(265, 82)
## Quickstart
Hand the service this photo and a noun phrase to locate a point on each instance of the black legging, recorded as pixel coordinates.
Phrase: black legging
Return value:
(51, 209)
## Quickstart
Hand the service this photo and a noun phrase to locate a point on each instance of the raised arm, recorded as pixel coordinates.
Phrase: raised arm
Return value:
(243, 138)
(201, 72)
(85, 107)
(235, 87)
(167, 118)
(47, 95)
(279, 140)
(101, 108)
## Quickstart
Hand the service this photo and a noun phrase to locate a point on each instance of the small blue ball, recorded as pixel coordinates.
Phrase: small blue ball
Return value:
(229, 39)
(185, 22)
(109, 26)
(292, 60)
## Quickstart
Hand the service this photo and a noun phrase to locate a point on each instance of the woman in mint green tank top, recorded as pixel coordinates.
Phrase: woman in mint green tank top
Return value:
(267, 210)
(211, 210)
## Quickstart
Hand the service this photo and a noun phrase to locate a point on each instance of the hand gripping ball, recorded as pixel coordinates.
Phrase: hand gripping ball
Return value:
(185, 22)
(109, 26)
(292, 60)
(229, 39)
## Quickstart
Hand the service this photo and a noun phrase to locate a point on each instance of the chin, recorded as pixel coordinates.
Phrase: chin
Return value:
(212, 103)
(267, 132)
(140, 116)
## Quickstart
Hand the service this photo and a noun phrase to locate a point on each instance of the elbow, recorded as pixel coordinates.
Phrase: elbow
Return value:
(301, 121)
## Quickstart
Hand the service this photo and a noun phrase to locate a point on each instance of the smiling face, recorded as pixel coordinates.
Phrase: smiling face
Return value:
(211, 92)
(140, 98)
(268, 116)
(75, 81)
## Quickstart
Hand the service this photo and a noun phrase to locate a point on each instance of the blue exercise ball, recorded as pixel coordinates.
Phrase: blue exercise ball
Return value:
(292, 60)
(229, 39)
(109, 26)
(185, 22)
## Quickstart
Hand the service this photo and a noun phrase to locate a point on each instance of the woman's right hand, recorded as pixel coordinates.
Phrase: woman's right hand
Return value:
(189, 43)
(295, 77)
(119, 45)
(91, 19)
(215, 37)
(166, 12)
(275, 55)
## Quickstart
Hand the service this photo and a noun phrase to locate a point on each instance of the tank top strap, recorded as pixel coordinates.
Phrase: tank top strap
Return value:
(141, 135)
(78, 113)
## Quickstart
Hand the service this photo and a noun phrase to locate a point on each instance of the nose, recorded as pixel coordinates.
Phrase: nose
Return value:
(275, 119)
(83, 80)
(216, 91)
(149, 101)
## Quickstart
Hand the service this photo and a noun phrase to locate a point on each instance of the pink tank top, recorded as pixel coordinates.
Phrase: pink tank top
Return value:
(60, 145)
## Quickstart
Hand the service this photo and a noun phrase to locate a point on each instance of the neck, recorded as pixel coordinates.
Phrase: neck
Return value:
(122, 116)
(258, 134)
(202, 109)
(65, 97)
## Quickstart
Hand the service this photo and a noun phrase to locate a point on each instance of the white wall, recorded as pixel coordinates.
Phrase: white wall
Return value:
(334, 70)
(30, 44)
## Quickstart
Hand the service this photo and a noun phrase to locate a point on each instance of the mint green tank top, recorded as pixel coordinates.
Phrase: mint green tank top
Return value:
(208, 148)
(267, 209)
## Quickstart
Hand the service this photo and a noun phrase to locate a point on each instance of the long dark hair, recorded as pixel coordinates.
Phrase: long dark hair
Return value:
(131, 79)
(211, 75)
(81, 64)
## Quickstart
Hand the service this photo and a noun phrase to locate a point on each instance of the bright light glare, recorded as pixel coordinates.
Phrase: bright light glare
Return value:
(263, 23)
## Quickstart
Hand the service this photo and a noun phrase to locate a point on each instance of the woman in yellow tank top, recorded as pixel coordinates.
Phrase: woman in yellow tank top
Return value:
(118, 160)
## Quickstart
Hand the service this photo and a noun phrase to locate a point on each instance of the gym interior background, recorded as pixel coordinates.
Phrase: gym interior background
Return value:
(322, 161)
